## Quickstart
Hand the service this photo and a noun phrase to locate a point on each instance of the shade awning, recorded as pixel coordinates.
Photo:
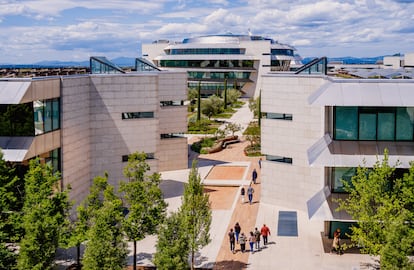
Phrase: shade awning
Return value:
(322, 206)
(329, 153)
(12, 92)
(364, 93)
(15, 148)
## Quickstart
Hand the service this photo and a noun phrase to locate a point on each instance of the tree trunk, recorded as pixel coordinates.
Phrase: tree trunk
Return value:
(135, 256)
(78, 266)
(199, 102)
(192, 259)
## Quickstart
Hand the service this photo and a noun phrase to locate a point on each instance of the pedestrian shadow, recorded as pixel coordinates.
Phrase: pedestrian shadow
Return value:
(230, 264)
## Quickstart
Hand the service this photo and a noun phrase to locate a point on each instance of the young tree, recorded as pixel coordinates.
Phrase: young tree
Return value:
(232, 127)
(172, 245)
(383, 206)
(106, 247)
(11, 203)
(45, 210)
(144, 198)
(233, 95)
(212, 106)
(254, 106)
(196, 213)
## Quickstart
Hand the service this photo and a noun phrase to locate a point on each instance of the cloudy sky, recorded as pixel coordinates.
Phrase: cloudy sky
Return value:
(66, 30)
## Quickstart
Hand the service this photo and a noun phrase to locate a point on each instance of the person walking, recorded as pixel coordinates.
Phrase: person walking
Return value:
(242, 241)
(252, 239)
(265, 231)
(232, 240)
(254, 176)
(242, 193)
(237, 230)
(250, 192)
(260, 163)
(257, 235)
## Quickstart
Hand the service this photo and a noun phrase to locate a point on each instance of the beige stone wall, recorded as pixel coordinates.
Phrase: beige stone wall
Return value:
(290, 185)
(173, 154)
(75, 131)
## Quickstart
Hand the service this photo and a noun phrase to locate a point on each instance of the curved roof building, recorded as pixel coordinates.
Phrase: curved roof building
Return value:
(241, 59)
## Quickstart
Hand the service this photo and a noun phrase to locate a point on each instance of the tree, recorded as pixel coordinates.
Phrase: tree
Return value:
(253, 134)
(106, 247)
(144, 198)
(172, 245)
(383, 205)
(45, 210)
(196, 213)
(232, 127)
(213, 105)
(199, 102)
(225, 93)
(254, 106)
(233, 95)
(11, 203)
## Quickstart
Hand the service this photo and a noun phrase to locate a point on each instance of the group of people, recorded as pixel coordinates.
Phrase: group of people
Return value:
(250, 189)
(253, 238)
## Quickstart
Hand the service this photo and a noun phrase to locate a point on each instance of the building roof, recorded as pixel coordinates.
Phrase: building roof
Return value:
(12, 92)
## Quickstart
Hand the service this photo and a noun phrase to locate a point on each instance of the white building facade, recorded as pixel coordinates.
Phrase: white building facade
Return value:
(240, 59)
(318, 129)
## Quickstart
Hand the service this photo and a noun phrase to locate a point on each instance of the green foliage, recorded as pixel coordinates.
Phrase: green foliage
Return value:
(44, 212)
(252, 133)
(172, 245)
(192, 94)
(196, 213)
(204, 142)
(144, 198)
(211, 106)
(232, 96)
(383, 206)
(254, 106)
(205, 126)
(232, 128)
(106, 247)
(7, 258)
(11, 203)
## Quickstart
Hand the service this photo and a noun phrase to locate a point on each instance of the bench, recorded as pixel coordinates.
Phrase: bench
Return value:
(230, 142)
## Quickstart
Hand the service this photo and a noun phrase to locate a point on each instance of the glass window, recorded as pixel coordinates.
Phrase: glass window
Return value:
(346, 123)
(344, 226)
(279, 159)
(134, 115)
(367, 126)
(48, 116)
(374, 123)
(404, 123)
(339, 175)
(56, 114)
(16, 120)
(281, 116)
(38, 107)
(386, 126)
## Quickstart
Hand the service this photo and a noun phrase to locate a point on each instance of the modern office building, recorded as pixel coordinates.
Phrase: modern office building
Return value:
(87, 124)
(240, 59)
(317, 129)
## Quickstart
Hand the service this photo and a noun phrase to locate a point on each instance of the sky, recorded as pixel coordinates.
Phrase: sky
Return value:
(73, 30)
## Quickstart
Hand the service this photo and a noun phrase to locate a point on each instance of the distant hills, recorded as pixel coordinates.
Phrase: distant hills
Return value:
(130, 62)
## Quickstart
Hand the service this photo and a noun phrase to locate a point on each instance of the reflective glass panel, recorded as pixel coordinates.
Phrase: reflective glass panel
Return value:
(346, 123)
(48, 116)
(55, 114)
(386, 126)
(339, 175)
(367, 126)
(405, 119)
(38, 107)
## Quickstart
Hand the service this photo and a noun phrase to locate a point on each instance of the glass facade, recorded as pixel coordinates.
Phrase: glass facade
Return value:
(46, 115)
(207, 63)
(206, 51)
(99, 65)
(344, 226)
(53, 159)
(281, 52)
(374, 123)
(172, 103)
(218, 75)
(16, 120)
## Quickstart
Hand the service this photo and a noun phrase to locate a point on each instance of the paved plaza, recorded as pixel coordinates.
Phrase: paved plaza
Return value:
(223, 174)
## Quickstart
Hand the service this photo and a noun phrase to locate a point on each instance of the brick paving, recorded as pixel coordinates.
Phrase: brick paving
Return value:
(245, 213)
